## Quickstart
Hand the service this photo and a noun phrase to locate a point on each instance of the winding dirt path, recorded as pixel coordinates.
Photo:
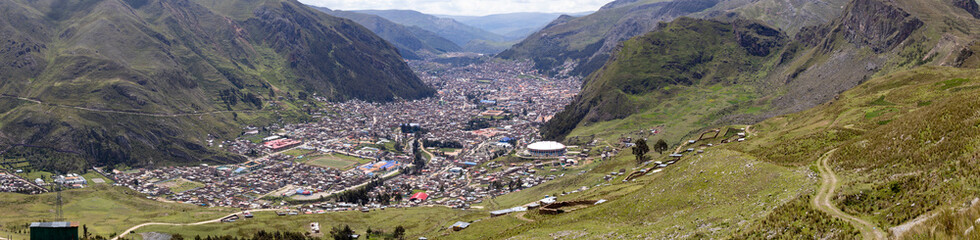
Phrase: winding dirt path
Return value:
(823, 201)
(521, 216)
(216, 220)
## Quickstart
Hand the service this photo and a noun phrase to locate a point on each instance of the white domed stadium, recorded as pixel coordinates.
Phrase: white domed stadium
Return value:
(546, 149)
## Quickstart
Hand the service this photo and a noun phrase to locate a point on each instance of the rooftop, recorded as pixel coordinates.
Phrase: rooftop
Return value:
(546, 146)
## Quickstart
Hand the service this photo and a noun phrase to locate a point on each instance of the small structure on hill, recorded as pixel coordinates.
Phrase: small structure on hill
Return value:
(54, 230)
(556, 208)
(460, 226)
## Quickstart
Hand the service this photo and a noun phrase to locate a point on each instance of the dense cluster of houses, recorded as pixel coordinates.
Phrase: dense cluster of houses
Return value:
(12, 183)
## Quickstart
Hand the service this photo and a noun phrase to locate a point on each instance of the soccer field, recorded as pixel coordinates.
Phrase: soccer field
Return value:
(338, 161)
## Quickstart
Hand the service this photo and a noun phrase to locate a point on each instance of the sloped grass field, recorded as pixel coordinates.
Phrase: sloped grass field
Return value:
(914, 160)
(417, 221)
(102, 208)
(706, 196)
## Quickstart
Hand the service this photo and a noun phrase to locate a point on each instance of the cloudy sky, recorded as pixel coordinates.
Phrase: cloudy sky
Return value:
(465, 7)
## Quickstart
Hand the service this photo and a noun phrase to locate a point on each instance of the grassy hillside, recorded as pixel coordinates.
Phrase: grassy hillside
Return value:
(905, 144)
(581, 45)
(706, 196)
(640, 89)
(102, 208)
(109, 82)
(665, 78)
(905, 150)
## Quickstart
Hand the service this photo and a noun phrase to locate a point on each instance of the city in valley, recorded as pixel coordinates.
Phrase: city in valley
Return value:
(358, 155)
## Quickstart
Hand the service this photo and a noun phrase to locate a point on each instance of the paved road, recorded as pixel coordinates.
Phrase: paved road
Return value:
(823, 201)
(123, 234)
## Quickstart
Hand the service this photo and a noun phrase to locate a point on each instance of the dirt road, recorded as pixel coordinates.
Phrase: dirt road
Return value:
(123, 234)
(823, 201)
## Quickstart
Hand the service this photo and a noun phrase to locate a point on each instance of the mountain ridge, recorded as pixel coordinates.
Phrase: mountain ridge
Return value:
(459, 33)
(244, 60)
(411, 41)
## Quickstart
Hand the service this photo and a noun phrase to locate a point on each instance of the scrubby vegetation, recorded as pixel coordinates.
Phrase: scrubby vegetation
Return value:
(797, 219)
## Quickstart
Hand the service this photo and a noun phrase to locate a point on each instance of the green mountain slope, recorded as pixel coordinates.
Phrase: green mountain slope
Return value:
(870, 37)
(145, 82)
(459, 33)
(876, 84)
(904, 147)
(411, 41)
(686, 61)
(580, 45)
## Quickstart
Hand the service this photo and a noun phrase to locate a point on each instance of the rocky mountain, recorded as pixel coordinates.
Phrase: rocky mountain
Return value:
(580, 45)
(461, 34)
(651, 74)
(141, 82)
(409, 40)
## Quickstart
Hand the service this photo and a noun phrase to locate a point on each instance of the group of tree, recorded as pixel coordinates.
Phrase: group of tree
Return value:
(641, 149)
(346, 233)
(359, 195)
(441, 144)
(409, 128)
(477, 123)
(231, 96)
(418, 162)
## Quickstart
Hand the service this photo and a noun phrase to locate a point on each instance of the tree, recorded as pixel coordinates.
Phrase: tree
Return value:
(399, 232)
(344, 233)
(660, 146)
(640, 149)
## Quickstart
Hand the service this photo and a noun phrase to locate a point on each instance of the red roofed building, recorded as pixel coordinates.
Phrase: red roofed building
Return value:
(419, 197)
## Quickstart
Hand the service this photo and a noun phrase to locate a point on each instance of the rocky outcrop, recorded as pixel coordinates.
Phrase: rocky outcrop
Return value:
(759, 40)
(876, 24)
(969, 5)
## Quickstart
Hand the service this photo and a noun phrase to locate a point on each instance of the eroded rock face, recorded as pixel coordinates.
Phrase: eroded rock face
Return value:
(969, 5)
(759, 40)
(876, 24)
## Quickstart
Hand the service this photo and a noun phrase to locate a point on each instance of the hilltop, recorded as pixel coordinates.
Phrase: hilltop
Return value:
(149, 82)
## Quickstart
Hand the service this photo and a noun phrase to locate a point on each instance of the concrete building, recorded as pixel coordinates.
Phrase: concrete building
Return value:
(546, 149)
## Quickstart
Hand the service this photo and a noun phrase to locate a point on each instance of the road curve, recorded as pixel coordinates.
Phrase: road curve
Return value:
(823, 201)
(124, 233)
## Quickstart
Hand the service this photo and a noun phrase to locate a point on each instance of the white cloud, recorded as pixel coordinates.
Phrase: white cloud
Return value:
(465, 7)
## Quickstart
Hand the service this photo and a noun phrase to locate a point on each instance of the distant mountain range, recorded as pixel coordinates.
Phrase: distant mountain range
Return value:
(145, 82)
(514, 26)
(471, 38)
(410, 40)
